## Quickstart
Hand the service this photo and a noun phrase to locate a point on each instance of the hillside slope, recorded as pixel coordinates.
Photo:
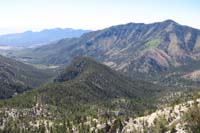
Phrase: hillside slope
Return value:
(86, 96)
(16, 77)
(85, 83)
(102, 82)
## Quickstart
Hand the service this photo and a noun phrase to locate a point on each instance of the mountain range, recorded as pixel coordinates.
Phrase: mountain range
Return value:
(30, 38)
(159, 48)
(103, 80)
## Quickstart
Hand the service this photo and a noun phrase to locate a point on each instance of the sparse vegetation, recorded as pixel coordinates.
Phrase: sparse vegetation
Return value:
(153, 43)
(192, 117)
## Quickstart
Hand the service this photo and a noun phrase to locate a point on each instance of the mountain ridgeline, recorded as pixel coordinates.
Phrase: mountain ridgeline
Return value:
(30, 38)
(130, 48)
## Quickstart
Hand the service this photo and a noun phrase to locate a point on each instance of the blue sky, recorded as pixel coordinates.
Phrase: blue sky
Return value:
(21, 15)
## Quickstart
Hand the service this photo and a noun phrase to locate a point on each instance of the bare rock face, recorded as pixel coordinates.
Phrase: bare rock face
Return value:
(152, 60)
(195, 75)
(171, 115)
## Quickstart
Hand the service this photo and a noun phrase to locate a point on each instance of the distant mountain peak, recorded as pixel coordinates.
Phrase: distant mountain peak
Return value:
(169, 21)
(29, 31)
(35, 38)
